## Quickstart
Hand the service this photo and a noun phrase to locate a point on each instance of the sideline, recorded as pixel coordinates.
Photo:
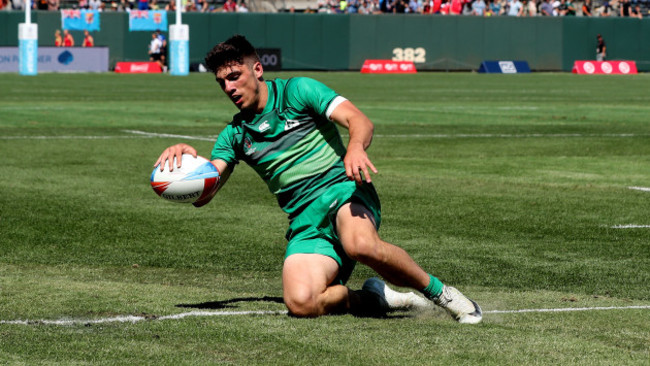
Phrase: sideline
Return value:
(135, 319)
(144, 134)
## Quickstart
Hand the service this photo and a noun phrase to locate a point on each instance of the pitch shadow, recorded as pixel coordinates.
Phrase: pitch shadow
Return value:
(228, 304)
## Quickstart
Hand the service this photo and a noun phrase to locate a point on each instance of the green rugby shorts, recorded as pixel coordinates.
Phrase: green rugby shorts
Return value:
(313, 231)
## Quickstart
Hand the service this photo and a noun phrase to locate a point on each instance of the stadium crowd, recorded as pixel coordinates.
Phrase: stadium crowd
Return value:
(519, 8)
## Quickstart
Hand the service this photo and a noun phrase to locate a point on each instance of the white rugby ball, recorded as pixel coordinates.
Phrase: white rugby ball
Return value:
(194, 180)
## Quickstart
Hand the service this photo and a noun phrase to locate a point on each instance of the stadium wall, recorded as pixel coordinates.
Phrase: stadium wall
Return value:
(343, 42)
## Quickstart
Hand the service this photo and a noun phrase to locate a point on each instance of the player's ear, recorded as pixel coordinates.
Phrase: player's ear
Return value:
(258, 70)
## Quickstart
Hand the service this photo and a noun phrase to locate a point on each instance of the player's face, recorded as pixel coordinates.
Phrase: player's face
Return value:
(241, 83)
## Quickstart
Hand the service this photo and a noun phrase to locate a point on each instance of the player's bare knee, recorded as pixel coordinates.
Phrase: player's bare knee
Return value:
(302, 306)
(363, 248)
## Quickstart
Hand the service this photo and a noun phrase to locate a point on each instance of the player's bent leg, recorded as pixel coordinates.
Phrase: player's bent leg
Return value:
(360, 240)
(307, 292)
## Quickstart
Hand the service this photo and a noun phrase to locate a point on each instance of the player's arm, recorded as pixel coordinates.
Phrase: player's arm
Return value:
(224, 173)
(361, 129)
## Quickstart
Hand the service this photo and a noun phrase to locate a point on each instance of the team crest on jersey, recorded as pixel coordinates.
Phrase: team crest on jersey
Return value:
(248, 146)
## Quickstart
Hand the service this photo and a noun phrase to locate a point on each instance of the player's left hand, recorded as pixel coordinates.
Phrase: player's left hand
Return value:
(357, 164)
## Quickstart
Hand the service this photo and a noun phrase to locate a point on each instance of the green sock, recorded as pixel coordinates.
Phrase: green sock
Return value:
(434, 289)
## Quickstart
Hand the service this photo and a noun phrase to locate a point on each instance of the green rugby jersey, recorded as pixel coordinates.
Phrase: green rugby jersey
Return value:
(292, 144)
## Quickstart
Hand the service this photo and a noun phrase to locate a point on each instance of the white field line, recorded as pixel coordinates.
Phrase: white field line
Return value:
(135, 319)
(167, 135)
(69, 137)
(560, 310)
(631, 226)
(144, 134)
(477, 135)
(644, 189)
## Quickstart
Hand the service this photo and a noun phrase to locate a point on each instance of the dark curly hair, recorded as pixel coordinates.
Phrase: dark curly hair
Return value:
(234, 50)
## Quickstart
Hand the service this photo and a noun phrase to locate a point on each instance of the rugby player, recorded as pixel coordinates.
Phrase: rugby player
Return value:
(286, 132)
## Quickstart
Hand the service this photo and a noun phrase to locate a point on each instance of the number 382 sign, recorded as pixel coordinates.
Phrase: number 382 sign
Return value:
(417, 55)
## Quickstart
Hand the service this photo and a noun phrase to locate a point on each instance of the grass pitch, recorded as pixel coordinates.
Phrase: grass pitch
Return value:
(524, 191)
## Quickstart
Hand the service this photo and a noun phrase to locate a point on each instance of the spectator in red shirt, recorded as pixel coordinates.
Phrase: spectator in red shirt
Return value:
(230, 6)
(88, 40)
(68, 41)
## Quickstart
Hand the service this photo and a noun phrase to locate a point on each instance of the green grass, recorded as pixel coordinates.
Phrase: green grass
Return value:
(507, 187)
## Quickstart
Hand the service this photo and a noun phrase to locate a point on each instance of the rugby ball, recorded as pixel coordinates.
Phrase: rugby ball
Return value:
(194, 180)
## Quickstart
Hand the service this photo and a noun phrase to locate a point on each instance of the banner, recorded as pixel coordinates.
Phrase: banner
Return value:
(58, 59)
(504, 67)
(388, 67)
(270, 58)
(605, 67)
(137, 67)
(147, 20)
(80, 20)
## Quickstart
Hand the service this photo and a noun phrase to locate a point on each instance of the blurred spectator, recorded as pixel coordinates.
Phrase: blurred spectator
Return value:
(163, 49)
(498, 7)
(571, 10)
(636, 12)
(353, 6)
(3, 4)
(40, 5)
(153, 5)
(566, 8)
(342, 6)
(241, 8)
(171, 5)
(94, 4)
(58, 40)
(516, 8)
(605, 9)
(586, 8)
(488, 9)
(625, 8)
(413, 7)
(531, 8)
(143, 5)
(52, 5)
(601, 49)
(17, 4)
(556, 5)
(367, 7)
(456, 7)
(154, 50)
(400, 6)
(83, 4)
(546, 9)
(478, 8)
(230, 6)
(68, 41)
(89, 41)
(444, 7)
(432, 7)
(467, 7)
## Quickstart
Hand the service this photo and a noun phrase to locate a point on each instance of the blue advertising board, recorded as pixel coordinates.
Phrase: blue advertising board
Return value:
(59, 59)
(504, 67)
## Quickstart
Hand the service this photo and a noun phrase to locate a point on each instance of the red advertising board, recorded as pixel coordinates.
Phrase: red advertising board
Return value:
(605, 67)
(137, 67)
(388, 67)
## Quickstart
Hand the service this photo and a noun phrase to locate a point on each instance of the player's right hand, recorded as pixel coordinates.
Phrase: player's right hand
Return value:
(172, 152)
